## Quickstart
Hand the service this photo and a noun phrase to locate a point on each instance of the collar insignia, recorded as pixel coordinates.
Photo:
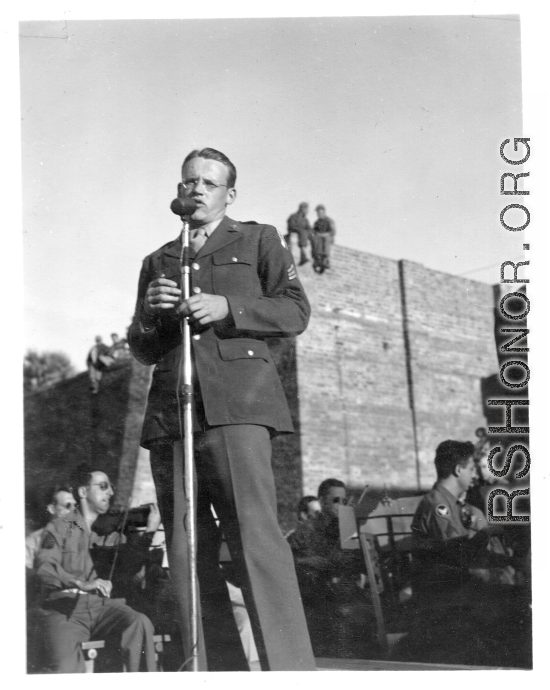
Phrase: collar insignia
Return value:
(282, 238)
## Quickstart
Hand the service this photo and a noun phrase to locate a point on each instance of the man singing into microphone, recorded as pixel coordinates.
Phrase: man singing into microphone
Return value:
(244, 288)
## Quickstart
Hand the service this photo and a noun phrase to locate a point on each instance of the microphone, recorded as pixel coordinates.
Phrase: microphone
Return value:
(183, 207)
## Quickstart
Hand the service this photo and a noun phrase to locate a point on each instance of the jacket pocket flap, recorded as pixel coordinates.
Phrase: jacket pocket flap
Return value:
(243, 348)
(234, 255)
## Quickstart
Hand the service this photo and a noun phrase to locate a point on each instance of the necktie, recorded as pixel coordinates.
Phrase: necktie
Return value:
(198, 239)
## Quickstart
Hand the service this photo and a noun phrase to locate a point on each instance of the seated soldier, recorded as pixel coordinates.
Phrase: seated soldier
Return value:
(322, 237)
(308, 507)
(338, 612)
(97, 361)
(60, 502)
(77, 604)
(462, 588)
(453, 541)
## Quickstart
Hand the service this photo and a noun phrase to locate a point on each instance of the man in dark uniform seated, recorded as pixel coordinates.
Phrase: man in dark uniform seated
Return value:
(339, 614)
(77, 604)
(322, 239)
(307, 509)
(60, 502)
(461, 576)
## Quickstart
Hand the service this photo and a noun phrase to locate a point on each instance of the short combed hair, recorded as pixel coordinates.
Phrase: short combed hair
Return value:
(82, 476)
(304, 503)
(449, 454)
(326, 485)
(213, 155)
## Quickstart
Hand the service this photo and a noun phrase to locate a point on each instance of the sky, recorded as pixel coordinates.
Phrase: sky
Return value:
(394, 123)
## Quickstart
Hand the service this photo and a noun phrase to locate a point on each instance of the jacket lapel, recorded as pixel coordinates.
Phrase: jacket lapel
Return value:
(174, 248)
(227, 231)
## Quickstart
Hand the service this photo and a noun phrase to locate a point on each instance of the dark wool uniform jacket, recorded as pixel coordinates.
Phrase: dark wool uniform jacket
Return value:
(251, 266)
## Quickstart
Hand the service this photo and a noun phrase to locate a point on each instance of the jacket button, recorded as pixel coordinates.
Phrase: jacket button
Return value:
(251, 352)
(195, 266)
(234, 259)
(196, 290)
(197, 336)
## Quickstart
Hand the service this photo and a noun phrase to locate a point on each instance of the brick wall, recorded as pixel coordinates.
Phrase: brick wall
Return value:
(449, 322)
(355, 419)
(385, 336)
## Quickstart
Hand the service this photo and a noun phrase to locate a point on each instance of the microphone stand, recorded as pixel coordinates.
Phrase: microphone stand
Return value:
(186, 394)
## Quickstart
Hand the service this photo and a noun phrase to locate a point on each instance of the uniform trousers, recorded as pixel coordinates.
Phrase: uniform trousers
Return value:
(320, 249)
(303, 236)
(234, 475)
(66, 622)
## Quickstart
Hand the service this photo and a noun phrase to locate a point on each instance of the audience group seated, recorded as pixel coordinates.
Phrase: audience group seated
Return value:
(91, 575)
(79, 599)
(470, 579)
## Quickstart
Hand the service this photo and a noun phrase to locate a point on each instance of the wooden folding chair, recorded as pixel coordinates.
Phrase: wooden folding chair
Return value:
(376, 585)
(390, 522)
(386, 543)
(351, 537)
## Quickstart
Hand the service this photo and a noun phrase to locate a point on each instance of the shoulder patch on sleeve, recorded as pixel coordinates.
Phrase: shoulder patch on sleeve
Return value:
(48, 542)
(442, 510)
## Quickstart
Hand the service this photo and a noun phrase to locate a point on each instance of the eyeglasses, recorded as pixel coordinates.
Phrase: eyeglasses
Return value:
(104, 486)
(343, 501)
(67, 506)
(208, 184)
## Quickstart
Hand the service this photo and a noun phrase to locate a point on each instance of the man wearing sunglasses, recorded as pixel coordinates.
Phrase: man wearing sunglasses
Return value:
(337, 609)
(77, 604)
(245, 289)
